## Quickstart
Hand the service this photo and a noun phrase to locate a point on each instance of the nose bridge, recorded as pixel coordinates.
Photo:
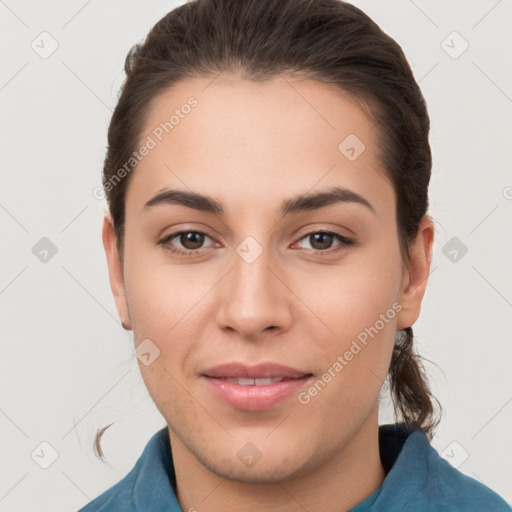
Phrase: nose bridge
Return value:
(254, 297)
(251, 269)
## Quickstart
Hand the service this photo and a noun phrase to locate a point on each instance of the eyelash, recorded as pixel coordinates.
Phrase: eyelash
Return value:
(345, 243)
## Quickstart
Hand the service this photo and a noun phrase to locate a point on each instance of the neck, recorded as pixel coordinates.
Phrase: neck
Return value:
(344, 480)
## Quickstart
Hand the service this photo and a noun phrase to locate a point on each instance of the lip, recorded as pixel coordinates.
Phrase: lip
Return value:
(236, 370)
(252, 397)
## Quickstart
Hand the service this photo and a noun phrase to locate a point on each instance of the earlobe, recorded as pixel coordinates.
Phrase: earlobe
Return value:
(115, 271)
(416, 273)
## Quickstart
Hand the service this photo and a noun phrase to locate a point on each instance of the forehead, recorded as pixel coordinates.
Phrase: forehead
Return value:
(225, 136)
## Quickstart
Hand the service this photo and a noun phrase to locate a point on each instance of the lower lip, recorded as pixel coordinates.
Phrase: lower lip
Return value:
(254, 398)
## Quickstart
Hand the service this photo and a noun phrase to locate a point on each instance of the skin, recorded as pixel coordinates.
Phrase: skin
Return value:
(252, 145)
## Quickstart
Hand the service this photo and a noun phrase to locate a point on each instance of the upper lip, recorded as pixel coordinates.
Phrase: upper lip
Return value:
(262, 370)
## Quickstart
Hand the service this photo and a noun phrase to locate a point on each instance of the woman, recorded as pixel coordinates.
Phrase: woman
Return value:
(268, 243)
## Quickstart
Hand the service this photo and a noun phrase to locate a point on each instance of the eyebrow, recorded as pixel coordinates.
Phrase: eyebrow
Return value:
(296, 204)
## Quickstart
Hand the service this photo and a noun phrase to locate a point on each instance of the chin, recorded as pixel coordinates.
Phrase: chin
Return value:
(259, 462)
(263, 472)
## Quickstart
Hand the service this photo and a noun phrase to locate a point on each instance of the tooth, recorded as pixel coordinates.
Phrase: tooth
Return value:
(264, 381)
(267, 381)
(240, 382)
(246, 382)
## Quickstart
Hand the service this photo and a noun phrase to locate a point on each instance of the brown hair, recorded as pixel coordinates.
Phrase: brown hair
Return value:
(325, 40)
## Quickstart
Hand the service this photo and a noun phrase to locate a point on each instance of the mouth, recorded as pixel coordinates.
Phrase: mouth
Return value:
(266, 370)
(262, 381)
(254, 388)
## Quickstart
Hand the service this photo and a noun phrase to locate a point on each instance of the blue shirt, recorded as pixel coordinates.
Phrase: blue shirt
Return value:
(417, 480)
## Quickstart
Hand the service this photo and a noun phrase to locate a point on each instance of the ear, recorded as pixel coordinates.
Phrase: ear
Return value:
(115, 271)
(415, 276)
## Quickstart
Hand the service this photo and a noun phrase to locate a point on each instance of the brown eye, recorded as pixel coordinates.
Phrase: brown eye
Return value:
(184, 242)
(322, 241)
(191, 240)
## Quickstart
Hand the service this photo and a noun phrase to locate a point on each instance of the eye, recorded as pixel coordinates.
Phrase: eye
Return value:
(321, 241)
(191, 241)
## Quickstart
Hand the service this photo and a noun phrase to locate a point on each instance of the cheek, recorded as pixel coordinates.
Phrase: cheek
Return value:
(352, 296)
(353, 314)
(353, 341)
(160, 294)
(167, 306)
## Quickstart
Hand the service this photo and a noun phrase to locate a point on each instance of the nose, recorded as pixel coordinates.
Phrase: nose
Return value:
(255, 298)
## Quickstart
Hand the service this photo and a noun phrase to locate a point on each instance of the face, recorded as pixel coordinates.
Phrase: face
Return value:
(253, 275)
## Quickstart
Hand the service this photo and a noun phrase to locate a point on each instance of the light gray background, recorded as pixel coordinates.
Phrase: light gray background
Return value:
(67, 366)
